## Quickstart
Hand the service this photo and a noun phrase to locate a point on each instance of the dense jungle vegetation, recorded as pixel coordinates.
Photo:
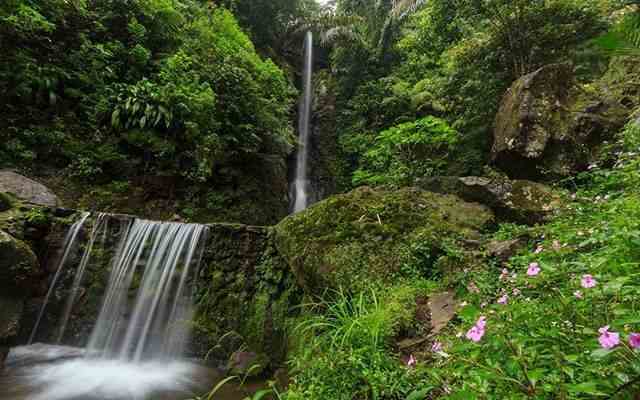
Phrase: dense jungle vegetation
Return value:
(187, 107)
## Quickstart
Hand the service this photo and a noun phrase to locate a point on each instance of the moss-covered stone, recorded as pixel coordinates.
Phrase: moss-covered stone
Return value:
(520, 201)
(245, 294)
(18, 265)
(5, 202)
(368, 235)
(549, 126)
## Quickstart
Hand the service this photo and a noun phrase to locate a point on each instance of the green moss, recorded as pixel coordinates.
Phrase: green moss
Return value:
(18, 264)
(6, 203)
(370, 235)
(246, 295)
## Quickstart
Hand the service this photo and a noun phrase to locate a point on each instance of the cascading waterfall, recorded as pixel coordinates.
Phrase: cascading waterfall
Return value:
(98, 231)
(158, 259)
(136, 344)
(301, 183)
(69, 243)
(166, 255)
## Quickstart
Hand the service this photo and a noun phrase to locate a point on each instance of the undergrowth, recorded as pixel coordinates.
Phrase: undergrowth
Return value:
(557, 321)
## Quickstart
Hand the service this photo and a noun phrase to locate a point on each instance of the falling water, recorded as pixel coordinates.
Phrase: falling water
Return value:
(140, 333)
(69, 243)
(301, 183)
(98, 231)
(166, 256)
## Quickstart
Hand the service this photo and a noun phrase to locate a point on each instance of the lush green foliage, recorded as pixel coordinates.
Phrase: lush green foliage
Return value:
(269, 22)
(342, 350)
(123, 90)
(542, 331)
(171, 86)
(456, 62)
(408, 151)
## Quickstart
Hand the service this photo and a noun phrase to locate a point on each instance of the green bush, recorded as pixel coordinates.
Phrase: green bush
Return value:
(408, 151)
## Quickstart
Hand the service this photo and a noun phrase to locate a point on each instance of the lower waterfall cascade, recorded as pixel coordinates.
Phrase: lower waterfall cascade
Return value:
(137, 343)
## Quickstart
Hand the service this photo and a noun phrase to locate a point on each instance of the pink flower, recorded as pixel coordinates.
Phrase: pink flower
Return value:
(539, 250)
(634, 340)
(588, 281)
(504, 299)
(516, 292)
(475, 334)
(534, 269)
(608, 340)
(411, 362)
(436, 347)
(578, 294)
(477, 331)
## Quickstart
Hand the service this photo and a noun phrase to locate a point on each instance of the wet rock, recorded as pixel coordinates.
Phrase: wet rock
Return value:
(4, 351)
(443, 307)
(547, 127)
(63, 212)
(245, 293)
(27, 189)
(434, 314)
(520, 201)
(10, 315)
(5, 202)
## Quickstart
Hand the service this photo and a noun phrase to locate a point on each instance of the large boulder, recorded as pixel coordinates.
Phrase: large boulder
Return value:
(549, 127)
(352, 240)
(520, 201)
(27, 189)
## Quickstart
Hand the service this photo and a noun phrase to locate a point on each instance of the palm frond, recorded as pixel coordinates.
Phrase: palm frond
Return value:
(403, 8)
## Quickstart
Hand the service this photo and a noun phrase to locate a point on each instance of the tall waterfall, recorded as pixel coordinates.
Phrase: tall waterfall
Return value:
(148, 297)
(301, 183)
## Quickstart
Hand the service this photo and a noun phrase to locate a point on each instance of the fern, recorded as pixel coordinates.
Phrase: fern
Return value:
(624, 38)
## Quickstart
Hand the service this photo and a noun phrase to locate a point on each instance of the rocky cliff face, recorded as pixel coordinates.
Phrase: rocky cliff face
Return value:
(324, 156)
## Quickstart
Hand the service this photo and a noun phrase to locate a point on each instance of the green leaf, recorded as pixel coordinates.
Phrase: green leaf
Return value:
(590, 388)
(115, 118)
(601, 353)
(418, 394)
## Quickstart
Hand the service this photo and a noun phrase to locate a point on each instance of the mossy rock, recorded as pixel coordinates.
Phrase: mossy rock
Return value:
(245, 294)
(548, 126)
(372, 235)
(6, 202)
(10, 315)
(18, 264)
(520, 201)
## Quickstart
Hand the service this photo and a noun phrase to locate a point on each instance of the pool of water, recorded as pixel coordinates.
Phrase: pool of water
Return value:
(43, 372)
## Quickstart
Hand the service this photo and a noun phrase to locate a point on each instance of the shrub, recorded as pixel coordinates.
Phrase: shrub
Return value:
(408, 151)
